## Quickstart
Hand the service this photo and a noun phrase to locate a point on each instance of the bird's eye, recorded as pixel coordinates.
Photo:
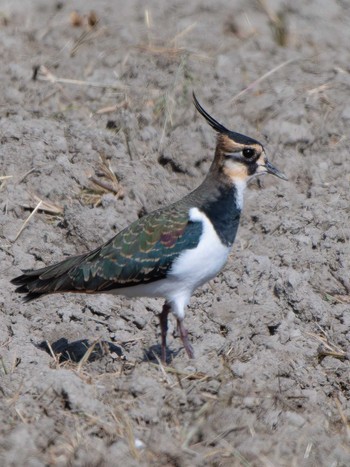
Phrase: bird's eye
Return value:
(249, 153)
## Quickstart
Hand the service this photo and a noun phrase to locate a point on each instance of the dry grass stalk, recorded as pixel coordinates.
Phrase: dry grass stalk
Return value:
(345, 299)
(53, 355)
(112, 108)
(2, 363)
(230, 451)
(87, 354)
(15, 362)
(183, 33)
(105, 185)
(103, 181)
(26, 174)
(319, 89)
(85, 38)
(343, 417)
(162, 369)
(338, 298)
(11, 402)
(148, 23)
(327, 348)
(259, 80)
(171, 50)
(196, 375)
(278, 24)
(41, 73)
(46, 206)
(22, 418)
(44, 392)
(169, 103)
(200, 419)
(125, 431)
(5, 343)
(3, 180)
(28, 219)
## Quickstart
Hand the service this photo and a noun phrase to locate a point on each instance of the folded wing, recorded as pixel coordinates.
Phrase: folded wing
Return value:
(142, 253)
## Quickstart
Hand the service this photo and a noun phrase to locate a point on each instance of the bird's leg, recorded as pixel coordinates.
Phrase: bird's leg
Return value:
(184, 337)
(163, 320)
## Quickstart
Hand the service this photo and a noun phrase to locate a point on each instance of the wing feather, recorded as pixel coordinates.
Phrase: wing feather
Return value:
(139, 254)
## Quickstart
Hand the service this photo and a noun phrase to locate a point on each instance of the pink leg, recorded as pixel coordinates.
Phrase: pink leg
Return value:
(163, 320)
(184, 337)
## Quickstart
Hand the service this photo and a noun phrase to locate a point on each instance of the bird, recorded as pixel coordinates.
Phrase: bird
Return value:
(171, 251)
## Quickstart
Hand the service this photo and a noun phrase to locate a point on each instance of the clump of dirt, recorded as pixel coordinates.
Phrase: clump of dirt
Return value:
(98, 128)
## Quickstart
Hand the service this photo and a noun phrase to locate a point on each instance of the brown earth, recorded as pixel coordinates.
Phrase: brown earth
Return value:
(112, 99)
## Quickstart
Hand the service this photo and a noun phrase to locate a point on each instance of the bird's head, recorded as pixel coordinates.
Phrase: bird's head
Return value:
(237, 157)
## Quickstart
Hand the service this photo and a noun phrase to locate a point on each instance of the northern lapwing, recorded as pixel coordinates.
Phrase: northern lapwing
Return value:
(171, 251)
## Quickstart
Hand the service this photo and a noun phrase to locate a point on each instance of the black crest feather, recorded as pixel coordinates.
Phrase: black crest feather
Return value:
(212, 122)
(237, 137)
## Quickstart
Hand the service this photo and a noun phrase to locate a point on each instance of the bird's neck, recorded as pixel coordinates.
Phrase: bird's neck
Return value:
(222, 203)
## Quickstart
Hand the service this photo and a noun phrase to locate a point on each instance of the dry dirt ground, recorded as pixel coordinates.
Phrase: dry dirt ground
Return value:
(102, 98)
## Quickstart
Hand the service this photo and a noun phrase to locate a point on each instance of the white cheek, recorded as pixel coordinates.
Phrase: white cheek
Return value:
(236, 170)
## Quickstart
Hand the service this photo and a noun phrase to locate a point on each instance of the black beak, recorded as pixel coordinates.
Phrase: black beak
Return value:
(270, 169)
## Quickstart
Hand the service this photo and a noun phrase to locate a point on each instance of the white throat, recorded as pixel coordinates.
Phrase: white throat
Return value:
(240, 186)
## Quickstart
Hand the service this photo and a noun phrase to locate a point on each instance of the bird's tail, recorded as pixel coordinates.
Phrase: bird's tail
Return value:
(54, 278)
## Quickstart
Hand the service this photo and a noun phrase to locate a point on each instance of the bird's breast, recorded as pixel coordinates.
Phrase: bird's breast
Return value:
(196, 266)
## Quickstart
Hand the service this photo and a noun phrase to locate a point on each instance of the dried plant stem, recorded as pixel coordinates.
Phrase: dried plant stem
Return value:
(87, 355)
(44, 74)
(259, 80)
(28, 219)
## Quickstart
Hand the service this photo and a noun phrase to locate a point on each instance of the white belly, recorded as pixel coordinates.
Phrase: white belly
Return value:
(190, 270)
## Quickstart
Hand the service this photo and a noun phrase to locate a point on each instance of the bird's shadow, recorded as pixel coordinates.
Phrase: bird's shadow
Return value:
(75, 351)
(153, 354)
(64, 351)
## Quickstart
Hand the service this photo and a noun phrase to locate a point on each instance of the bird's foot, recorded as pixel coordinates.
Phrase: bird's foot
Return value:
(184, 337)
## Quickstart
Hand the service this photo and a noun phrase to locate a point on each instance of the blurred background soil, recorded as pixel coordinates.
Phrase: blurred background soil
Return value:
(97, 128)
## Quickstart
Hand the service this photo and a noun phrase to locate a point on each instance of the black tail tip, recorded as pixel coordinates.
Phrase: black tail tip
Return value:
(31, 296)
(17, 280)
(21, 282)
(23, 278)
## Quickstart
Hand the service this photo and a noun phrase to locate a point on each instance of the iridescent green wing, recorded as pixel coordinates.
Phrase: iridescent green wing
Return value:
(140, 254)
